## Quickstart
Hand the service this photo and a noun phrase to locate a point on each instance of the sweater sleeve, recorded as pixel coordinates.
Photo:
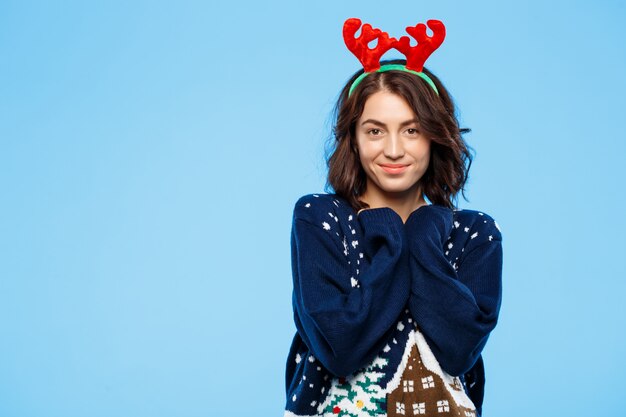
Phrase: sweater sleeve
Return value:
(455, 309)
(345, 318)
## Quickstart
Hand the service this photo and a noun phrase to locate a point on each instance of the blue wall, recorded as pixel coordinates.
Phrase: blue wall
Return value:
(151, 154)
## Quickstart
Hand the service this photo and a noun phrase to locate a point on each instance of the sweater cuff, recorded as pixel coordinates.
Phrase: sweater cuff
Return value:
(383, 216)
(429, 224)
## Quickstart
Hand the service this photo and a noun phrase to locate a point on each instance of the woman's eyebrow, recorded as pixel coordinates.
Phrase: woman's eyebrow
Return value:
(379, 123)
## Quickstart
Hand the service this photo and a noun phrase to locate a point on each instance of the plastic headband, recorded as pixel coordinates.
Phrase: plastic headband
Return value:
(416, 56)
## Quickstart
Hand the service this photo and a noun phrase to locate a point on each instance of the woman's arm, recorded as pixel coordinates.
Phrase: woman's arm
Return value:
(455, 309)
(344, 317)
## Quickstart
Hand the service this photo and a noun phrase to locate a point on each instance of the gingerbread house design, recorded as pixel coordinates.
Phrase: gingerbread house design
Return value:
(421, 388)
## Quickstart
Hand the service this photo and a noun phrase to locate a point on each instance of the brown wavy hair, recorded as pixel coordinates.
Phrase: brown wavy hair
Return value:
(450, 157)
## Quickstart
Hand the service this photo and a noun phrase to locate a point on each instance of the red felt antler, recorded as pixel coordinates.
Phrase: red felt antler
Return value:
(417, 55)
(370, 58)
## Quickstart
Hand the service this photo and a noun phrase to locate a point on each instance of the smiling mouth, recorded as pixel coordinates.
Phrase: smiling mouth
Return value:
(394, 169)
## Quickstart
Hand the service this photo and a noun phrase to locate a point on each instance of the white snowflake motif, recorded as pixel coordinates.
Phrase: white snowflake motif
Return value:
(311, 358)
(307, 205)
(400, 326)
(456, 224)
(345, 246)
(355, 243)
(466, 229)
(298, 358)
(326, 226)
(386, 349)
(490, 238)
(294, 397)
(350, 217)
(354, 282)
(474, 235)
(450, 245)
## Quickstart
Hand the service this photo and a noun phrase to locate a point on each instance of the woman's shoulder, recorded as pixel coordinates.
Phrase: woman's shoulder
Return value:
(475, 226)
(315, 206)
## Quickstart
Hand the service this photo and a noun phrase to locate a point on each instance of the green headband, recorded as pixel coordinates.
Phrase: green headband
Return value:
(389, 67)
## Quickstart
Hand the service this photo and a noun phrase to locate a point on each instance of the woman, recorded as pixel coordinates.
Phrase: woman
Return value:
(394, 298)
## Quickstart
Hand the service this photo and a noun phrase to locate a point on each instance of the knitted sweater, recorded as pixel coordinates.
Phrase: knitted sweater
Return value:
(391, 317)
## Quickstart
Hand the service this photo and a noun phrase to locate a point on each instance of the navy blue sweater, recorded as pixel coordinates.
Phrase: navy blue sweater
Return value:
(361, 280)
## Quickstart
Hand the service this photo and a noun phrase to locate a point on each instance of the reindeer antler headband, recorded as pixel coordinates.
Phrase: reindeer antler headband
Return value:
(415, 55)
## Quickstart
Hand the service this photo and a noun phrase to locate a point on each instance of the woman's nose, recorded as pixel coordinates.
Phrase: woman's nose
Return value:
(393, 147)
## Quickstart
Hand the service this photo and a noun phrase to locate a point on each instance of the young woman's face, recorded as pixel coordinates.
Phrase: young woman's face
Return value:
(388, 135)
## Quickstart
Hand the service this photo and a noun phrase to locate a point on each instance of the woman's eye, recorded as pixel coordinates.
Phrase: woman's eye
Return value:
(413, 131)
(374, 132)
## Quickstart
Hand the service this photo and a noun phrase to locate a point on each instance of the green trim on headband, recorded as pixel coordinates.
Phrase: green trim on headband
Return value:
(389, 67)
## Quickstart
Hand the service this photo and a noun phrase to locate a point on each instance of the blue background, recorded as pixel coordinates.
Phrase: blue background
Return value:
(151, 154)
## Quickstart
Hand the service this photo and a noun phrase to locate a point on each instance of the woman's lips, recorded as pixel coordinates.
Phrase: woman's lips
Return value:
(394, 169)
